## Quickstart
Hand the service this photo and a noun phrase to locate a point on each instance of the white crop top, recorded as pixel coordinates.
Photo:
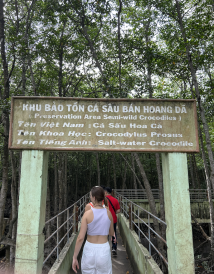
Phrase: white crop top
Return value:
(100, 224)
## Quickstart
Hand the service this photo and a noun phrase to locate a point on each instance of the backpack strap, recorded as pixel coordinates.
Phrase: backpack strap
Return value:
(111, 204)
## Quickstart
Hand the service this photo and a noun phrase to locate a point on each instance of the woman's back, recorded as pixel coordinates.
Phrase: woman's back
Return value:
(98, 225)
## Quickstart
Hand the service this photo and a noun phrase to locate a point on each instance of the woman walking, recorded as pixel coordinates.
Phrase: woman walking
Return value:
(98, 223)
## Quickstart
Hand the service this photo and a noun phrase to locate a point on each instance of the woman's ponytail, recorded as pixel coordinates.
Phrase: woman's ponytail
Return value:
(105, 201)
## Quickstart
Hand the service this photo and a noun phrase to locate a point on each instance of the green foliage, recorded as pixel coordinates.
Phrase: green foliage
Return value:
(71, 48)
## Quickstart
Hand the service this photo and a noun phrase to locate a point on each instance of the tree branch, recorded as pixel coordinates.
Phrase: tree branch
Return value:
(200, 227)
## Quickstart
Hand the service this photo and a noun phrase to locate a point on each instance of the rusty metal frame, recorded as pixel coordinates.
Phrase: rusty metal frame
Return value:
(195, 194)
(124, 202)
(82, 202)
(103, 100)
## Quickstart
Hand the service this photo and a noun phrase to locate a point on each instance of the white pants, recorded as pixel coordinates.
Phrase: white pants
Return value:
(96, 259)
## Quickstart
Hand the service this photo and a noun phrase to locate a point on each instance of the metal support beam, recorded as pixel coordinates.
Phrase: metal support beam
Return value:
(31, 215)
(178, 216)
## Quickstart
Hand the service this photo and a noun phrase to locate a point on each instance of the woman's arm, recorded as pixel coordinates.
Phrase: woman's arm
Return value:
(79, 242)
(111, 229)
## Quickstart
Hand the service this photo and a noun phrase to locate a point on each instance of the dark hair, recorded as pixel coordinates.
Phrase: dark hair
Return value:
(99, 194)
(103, 187)
(108, 189)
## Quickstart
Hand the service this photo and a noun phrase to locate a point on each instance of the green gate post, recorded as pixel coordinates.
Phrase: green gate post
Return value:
(31, 215)
(178, 213)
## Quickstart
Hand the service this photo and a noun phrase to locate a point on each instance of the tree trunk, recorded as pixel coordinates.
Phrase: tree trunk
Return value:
(24, 69)
(98, 169)
(161, 194)
(32, 77)
(147, 185)
(48, 210)
(56, 192)
(61, 194)
(114, 171)
(191, 170)
(76, 187)
(124, 177)
(5, 120)
(148, 58)
(65, 181)
(25, 54)
(84, 32)
(141, 186)
(14, 203)
(197, 91)
(108, 173)
(119, 43)
(61, 52)
(209, 192)
(134, 176)
(19, 171)
(151, 201)
(196, 172)
(90, 171)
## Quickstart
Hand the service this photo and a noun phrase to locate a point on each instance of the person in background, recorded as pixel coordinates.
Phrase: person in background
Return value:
(98, 223)
(114, 208)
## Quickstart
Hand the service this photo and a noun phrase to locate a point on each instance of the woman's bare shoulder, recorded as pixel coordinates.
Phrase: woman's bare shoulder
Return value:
(88, 212)
(89, 216)
(87, 207)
